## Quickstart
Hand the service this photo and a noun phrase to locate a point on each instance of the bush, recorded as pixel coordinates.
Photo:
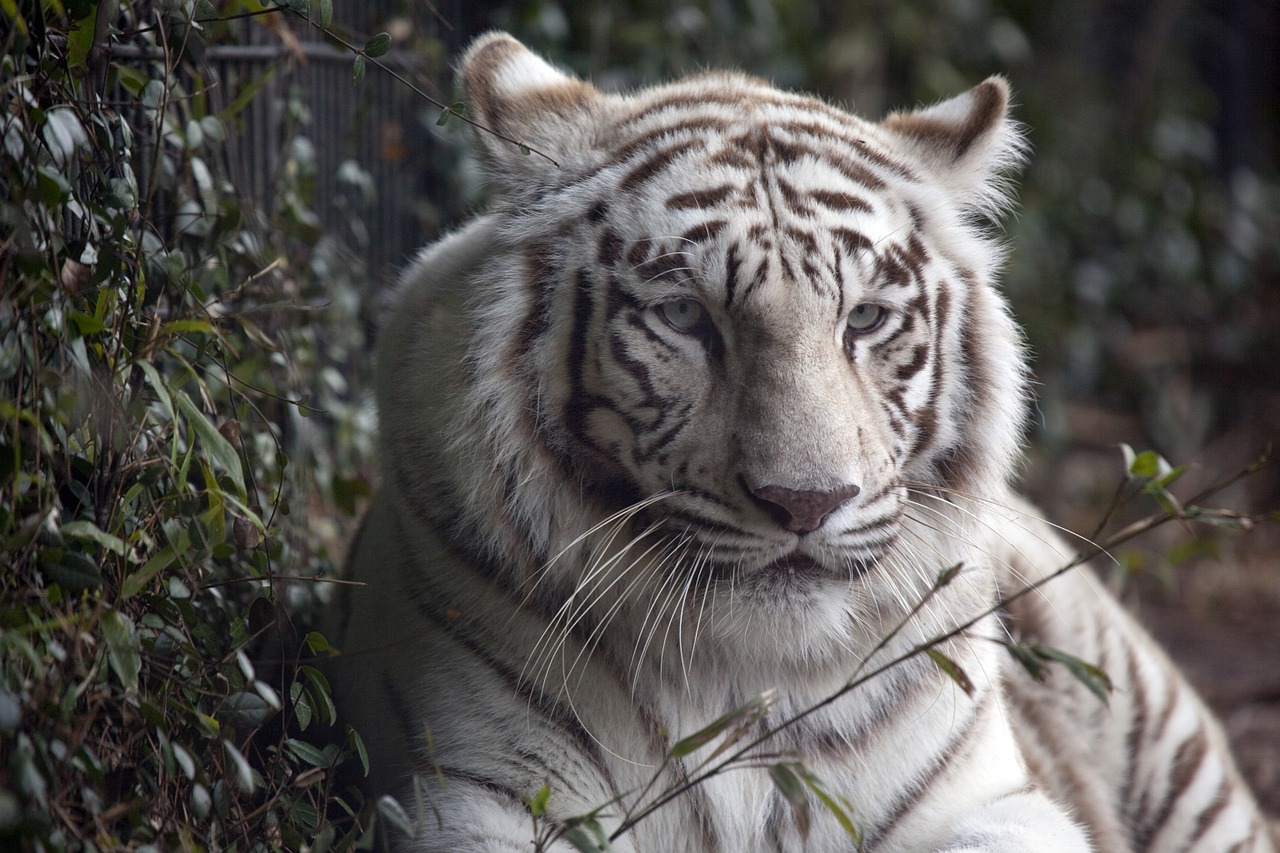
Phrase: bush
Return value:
(161, 487)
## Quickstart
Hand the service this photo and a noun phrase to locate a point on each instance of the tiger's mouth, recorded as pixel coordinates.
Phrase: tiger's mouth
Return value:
(795, 563)
(798, 564)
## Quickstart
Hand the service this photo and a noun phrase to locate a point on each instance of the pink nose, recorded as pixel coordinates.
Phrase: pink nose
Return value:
(803, 510)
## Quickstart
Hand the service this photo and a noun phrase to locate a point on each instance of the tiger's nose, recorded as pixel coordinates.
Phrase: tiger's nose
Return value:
(802, 510)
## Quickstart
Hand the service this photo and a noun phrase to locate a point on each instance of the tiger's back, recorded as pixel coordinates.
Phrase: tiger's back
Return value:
(703, 409)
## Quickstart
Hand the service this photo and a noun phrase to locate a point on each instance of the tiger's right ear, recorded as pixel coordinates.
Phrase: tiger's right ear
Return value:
(513, 92)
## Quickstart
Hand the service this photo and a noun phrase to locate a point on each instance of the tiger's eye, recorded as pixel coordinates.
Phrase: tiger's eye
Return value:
(683, 315)
(866, 317)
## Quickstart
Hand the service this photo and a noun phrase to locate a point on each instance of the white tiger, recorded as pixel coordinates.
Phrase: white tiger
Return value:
(701, 410)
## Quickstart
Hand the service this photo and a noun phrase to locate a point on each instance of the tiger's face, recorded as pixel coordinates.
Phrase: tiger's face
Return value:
(753, 324)
(761, 348)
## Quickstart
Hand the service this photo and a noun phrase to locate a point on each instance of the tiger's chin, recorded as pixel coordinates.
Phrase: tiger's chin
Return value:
(791, 595)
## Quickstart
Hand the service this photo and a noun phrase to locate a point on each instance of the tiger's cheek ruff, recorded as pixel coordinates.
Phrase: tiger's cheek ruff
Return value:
(700, 410)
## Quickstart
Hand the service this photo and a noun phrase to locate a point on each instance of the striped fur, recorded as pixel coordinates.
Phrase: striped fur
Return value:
(700, 410)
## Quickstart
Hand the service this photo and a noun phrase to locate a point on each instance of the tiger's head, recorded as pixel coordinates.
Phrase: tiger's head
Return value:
(747, 323)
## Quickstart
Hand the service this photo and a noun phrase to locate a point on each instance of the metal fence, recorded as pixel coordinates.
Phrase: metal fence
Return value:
(380, 129)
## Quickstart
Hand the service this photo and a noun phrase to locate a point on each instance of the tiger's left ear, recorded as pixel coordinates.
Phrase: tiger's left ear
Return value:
(512, 91)
(966, 143)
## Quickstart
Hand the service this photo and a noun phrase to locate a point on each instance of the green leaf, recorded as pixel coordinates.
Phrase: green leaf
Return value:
(1092, 677)
(326, 13)
(10, 8)
(122, 647)
(80, 39)
(72, 571)
(81, 529)
(793, 791)
(357, 70)
(244, 711)
(455, 110)
(587, 836)
(837, 805)
(357, 743)
(65, 135)
(131, 79)
(1025, 656)
(378, 45)
(136, 581)
(189, 325)
(301, 705)
(321, 695)
(1170, 477)
(159, 388)
(216, 447)
(952, 669)
(152, 94)
(947, 575)
(538, 804)
(309, 754)
(241, 773)
(183, 758)
(1148, 463)
(317, 643)
(51, 187)
(87, 324)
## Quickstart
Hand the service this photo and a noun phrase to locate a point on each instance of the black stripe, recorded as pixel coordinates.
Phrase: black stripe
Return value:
(581, 402)
(731, 98)
(704, 232)
(857, 146)
(835, 200)
(927, 418)
(699, 199)
(490, 785)
(1186, 763)
(957, 746)
(649, 168)
(1210, 814)
(696, 125)
(732, 265)
(1134, 739)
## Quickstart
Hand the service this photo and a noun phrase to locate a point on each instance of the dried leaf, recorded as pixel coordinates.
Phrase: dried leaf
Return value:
(952, 669)
(742, 716)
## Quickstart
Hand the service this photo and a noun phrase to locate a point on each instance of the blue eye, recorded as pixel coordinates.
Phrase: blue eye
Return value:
(866, 317)
(683, 315)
